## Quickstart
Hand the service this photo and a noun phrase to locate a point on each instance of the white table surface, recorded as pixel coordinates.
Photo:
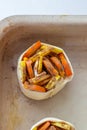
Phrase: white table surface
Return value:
(42, 7)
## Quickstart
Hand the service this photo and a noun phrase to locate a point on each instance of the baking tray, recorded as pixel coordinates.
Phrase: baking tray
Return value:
(17, 33)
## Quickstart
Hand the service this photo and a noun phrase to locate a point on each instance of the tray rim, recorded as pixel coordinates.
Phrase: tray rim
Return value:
(34, 19)
(18, 20)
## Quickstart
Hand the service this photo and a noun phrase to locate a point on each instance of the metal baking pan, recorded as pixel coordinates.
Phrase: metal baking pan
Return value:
(17, 33)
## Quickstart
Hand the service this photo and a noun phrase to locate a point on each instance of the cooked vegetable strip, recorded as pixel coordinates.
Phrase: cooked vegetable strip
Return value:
(58, 64)
(32, 49)
(51, 83)
(65, 64)
(25, 59)
(44, 82)
(41, 53)
(40, 64)
(57, 51)
(62, 125)
(34, 87)
(29, 68)
(36, 68)
(35, 128)
(45, 51)
(44, 126)
(57, 128)
(34, 57)
(43, 47)
(38, 78)
(41, 74)
(49, 67)
(23, 70)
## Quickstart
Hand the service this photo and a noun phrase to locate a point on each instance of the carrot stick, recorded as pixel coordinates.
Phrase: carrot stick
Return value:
(45, 126)
(65, 64)
(44, 81)
(29, 68)
(34, 87)
(39, 78)
(50, 68)
(58, 64)
(32, 49)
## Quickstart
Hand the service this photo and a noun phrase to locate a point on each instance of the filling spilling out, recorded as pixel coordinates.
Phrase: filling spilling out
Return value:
(49, 125)
(42, 66)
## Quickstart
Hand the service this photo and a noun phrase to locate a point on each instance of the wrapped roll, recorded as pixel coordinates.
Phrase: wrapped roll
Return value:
(43, 70)
(51, 123)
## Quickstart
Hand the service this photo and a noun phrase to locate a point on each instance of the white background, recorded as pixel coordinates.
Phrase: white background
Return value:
(42, 7)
